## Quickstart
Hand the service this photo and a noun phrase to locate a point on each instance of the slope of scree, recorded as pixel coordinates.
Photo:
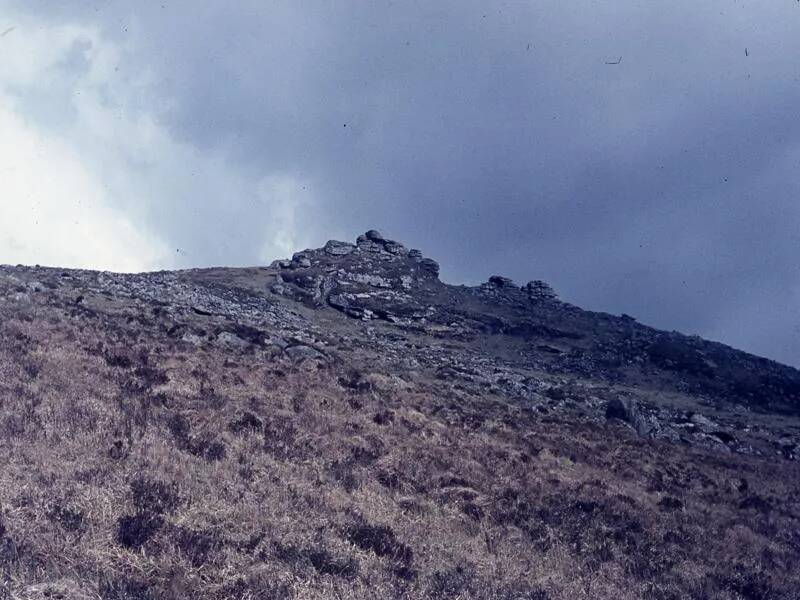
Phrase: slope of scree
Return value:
(344, 424)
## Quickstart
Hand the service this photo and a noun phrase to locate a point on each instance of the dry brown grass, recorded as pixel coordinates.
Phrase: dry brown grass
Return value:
(135, 466)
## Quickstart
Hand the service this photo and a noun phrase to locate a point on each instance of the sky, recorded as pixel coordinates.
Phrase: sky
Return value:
(643, 157)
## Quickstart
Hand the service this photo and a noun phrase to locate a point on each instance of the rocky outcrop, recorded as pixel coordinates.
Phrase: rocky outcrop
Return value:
(379, 279)
(540, 291)
(386, 301)
(375, 278)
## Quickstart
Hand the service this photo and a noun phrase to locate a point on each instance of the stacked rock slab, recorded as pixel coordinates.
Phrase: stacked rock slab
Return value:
(375, 278)
(539, 290)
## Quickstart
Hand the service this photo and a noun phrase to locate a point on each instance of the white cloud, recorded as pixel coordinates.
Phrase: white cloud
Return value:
(54, 211)
(90, 175)
(288, 198)
(54, 204)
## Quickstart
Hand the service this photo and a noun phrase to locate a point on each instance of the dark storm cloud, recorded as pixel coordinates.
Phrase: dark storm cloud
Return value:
(497, 138)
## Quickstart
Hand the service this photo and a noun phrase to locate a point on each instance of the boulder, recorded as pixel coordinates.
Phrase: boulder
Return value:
(232, 340)
(368, 245)
(369, 279)
(335, 248)
(395, 248)
(301, 353)
(429, 266)
(375, 235)
(626, 409)
(701, 421)
(501, 282)
(539, 290)
(300, 260)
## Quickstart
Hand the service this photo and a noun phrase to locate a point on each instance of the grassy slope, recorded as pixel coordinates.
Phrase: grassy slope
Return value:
(135, 466)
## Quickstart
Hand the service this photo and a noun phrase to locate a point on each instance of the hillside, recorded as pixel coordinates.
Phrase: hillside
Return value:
(346, 425)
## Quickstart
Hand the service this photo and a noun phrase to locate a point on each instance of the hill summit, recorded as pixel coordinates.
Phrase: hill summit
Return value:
(344, 424)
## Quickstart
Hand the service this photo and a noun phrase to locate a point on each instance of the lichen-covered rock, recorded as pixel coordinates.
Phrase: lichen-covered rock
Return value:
(501, 282)
(335, 248)
(301, 353)
(375, 236)
(539, 290)
(429, 267)
(626, 409)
